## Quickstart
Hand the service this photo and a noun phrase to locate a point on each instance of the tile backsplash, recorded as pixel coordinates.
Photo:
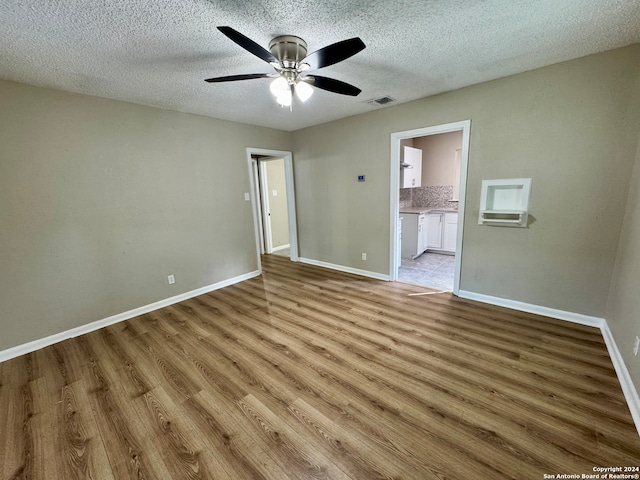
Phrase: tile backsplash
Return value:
(405, 197)
(438, 196)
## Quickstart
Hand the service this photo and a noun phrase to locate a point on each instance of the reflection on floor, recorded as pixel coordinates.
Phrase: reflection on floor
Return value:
(432, 270)
(283, 253)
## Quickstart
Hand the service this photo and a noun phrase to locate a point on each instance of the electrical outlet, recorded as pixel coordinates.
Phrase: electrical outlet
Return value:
(364, 256)
(171, 279)
(246, 197)
(636, 343)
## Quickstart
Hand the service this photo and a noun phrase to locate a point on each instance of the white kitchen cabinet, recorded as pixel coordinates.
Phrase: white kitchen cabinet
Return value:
(450, 233)
(422, 233)
(411, 169)
(442, 229)
(413, 235)
(434, 231)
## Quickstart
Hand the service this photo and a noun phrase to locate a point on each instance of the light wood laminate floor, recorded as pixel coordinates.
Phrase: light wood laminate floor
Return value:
(306, 373)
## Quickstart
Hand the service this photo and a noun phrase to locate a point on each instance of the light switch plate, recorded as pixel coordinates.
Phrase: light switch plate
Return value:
(246, 197)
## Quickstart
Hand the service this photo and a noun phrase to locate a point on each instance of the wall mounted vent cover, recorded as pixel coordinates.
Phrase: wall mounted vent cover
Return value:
(381, 100)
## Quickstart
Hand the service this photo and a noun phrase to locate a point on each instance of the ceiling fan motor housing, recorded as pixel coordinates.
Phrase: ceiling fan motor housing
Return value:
(287, 54)
(289, 49)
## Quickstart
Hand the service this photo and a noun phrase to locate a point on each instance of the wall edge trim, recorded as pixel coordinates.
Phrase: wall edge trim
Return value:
(628, 388)
(34, 345)
(342, 268)
(535, 309)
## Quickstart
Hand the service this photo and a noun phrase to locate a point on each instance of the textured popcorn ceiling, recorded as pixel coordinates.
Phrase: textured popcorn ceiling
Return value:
(158, 52)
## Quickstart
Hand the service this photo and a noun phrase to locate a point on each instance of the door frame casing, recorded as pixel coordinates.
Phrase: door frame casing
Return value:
(394, 241)
(291, 199)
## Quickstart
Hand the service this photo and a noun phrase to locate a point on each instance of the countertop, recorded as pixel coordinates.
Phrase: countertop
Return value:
(420, 210)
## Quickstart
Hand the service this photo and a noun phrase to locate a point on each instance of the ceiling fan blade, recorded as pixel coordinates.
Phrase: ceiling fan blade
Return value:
(248, 44)
(334, 53)
(233, 78)
(332, 85)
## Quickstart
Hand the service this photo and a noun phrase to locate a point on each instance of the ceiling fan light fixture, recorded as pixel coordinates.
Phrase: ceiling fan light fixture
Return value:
(284, 99)
(303, 91)
(279, 87)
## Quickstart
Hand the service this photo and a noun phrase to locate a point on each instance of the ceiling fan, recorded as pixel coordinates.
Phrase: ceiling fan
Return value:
(287, 54)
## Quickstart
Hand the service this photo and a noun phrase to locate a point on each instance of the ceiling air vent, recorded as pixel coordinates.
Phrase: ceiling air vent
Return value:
(381, 100)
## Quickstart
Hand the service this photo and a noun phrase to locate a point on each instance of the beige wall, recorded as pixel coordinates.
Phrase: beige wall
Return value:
(438, 155)
(623, 313)
(100, 200)
(278, 203)
(568, 126)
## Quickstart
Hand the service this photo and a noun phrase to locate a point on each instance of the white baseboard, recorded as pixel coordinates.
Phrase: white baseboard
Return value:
(120, 317)
(281, 247)
(628, 388)
(536, 309)
(341, 268)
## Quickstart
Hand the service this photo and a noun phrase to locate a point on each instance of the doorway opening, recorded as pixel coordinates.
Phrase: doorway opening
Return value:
(273, 203)
(428, 180)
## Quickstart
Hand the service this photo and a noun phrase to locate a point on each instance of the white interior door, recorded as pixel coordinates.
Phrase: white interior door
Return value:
(266, 210)
(257, 196)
